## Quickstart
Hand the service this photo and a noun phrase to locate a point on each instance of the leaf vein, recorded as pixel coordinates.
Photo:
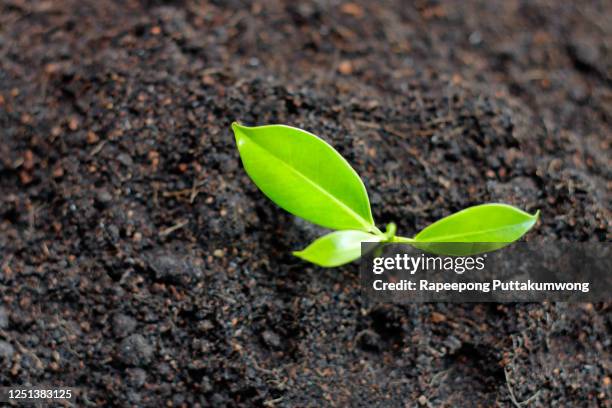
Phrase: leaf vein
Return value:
(345, 206)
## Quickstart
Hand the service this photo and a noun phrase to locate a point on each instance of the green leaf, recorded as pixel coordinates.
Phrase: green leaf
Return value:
(305, 176)
(487, 227)
(336, 248)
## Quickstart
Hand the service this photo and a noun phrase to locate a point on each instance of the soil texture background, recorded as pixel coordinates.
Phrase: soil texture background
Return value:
(139, 263)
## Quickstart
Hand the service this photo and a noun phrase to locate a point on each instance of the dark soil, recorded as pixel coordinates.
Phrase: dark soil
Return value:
(140, 264)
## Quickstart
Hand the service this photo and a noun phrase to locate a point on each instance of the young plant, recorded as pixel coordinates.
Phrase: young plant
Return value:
(307, 177)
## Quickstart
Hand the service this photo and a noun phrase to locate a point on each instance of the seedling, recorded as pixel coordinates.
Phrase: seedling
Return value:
(307, 177)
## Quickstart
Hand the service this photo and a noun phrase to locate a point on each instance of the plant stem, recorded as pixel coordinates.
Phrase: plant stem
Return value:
(390, 232)
(402, 239)
(376, 231)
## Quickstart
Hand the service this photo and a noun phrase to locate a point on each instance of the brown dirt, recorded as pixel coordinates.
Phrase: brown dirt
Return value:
(140, 264)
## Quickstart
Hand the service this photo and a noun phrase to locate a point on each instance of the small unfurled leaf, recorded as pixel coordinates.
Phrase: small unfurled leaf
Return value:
(487, 227)
(305, 176)
(336, 248)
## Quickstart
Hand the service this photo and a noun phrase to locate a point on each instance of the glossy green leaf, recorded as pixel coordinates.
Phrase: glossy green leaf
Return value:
(336, 248)
(305, 176)
(485, 227)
